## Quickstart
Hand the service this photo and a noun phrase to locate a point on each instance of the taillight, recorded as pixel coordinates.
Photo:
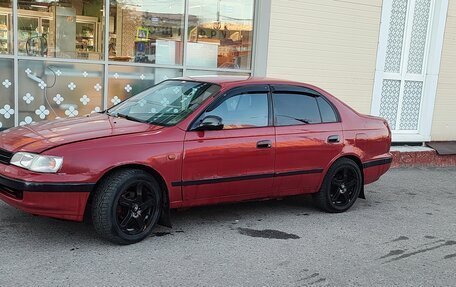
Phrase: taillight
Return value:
(389, 135)
(387, 126)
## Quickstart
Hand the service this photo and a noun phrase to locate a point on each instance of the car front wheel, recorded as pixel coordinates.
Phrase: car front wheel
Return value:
(341, 186)
(126, 206)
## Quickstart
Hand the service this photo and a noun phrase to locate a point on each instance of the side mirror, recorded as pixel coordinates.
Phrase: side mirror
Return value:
(210, 123)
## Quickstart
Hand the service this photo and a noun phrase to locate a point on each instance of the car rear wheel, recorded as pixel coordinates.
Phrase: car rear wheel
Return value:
(126, 206)
(341, 187)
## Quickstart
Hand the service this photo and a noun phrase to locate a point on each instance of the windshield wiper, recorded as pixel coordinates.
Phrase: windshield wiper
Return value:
(156, 123)
(130, 118)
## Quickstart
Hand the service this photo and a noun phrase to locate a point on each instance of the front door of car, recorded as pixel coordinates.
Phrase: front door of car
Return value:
(308, 137)
(237, 160)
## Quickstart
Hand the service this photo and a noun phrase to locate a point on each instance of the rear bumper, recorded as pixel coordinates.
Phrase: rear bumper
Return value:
(374, 169)
(57, 200)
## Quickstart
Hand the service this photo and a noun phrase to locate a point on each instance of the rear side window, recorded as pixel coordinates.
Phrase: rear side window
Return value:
(295, 109)
(327, 112)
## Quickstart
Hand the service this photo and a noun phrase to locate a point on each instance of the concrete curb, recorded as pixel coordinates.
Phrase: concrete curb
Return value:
(428, 158)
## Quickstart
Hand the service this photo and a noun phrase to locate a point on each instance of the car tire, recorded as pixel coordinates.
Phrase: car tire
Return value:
(126, 206)
(341, 187)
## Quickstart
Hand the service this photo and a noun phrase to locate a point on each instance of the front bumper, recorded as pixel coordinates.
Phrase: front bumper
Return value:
(57, 200)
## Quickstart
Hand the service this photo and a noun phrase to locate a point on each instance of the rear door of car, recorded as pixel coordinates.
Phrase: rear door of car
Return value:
(238, 161)
(308, 136)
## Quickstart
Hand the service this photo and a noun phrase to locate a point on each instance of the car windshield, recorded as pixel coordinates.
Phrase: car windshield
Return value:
(165, 104)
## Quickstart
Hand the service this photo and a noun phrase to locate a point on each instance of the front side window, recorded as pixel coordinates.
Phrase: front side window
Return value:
(243, 111)
(165, 104)
(295, 109)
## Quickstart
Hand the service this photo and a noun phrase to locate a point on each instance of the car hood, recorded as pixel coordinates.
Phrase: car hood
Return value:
(41, 136)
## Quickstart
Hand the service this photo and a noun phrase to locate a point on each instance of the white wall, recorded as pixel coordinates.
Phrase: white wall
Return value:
(444, 122)
(329, 43)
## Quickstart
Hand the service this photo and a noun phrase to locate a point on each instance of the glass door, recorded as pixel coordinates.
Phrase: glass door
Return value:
(4, 28)
(87, 38)
(33, 30)
(27, 32)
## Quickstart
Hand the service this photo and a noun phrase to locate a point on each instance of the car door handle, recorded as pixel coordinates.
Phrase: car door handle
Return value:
(264, 144)
(333, 139)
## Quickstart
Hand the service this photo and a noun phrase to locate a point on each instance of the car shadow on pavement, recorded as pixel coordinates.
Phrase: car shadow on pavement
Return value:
(245, 213)
(28, 229)
(249, 210)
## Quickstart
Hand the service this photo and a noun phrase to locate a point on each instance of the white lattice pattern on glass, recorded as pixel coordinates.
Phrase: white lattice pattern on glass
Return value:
(419, 36)
(28, 98)
(26, 121)
(411, 105)
(7, 83)
(396, 36)
(42, 112)
(115, 100)
(7, 111)
(390, 101)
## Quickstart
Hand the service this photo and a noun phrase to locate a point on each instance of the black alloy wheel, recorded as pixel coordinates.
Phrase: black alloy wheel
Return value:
(344, 185)
(126, 206)
(136, 207)
(341, 186)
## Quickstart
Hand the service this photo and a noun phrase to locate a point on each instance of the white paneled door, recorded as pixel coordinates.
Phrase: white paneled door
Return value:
(410, 45)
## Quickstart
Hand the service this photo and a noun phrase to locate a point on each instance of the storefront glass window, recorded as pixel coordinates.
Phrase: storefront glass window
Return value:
(192, 73)
(6, 31)
(220, 34)
(50, 90)
(127, 81)
(75, 57)
(7, 108)
(146, 31)
(69, 29)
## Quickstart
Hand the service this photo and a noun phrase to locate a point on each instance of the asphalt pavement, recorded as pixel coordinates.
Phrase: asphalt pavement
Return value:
(404, 234)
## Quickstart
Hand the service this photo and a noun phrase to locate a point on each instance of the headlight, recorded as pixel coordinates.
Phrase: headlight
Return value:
(36, 162)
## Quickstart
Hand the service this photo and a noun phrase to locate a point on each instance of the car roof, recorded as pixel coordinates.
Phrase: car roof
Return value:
(240, 80)
(228, 82)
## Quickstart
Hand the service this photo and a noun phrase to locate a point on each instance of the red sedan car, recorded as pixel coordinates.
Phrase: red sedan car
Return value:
(189, 142)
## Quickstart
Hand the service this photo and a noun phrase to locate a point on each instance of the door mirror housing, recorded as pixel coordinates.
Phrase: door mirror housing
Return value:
(210, 123)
